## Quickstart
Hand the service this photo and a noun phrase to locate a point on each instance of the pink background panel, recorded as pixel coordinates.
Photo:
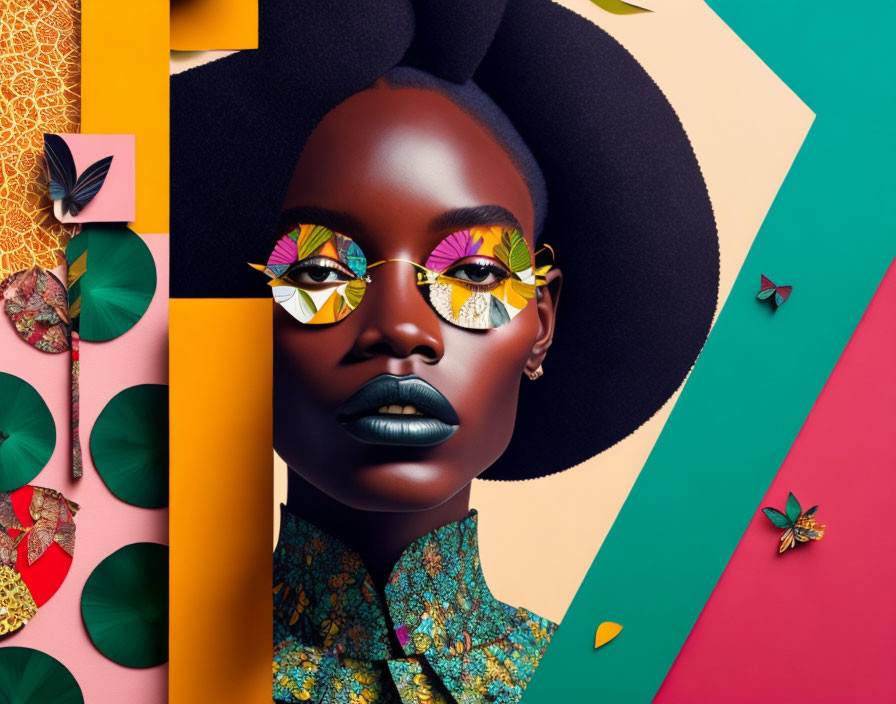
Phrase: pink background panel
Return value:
(817, 623)
(104, 523)
(116, 200)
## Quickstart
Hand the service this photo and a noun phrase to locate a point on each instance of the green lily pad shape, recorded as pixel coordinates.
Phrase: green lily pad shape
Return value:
(129, 445)
(27, 432)
(124, 605)
(29, 676)
(112, 278)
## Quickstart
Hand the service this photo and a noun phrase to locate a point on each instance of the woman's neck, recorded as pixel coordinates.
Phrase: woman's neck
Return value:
(379, 537)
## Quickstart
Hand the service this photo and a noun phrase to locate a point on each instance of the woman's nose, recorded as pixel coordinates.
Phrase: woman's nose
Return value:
(398, 322)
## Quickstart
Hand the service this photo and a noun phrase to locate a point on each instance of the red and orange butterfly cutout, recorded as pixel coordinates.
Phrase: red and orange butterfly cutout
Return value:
(799, 526)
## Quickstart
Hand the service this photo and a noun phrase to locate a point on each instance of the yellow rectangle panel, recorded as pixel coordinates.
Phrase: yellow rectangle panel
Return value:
(221, 509)
(198, 25)
(124, 90)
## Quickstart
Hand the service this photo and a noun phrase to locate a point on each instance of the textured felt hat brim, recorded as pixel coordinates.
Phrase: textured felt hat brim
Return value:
(628, 210)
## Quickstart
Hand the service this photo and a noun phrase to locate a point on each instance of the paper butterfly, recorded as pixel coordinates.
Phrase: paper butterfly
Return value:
(799, 526)
(767, 289)
(70, 192)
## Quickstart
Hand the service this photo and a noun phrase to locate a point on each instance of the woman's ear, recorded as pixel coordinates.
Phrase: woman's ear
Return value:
(546, 304)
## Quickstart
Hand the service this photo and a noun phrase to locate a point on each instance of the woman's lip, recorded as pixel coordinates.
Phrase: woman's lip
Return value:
(434, 423)
(399, 430)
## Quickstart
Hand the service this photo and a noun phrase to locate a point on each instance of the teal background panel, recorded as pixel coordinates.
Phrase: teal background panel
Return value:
(831, 233)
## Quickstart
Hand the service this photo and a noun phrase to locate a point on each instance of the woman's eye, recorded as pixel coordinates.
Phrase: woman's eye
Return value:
(479, 273)
(320, 271)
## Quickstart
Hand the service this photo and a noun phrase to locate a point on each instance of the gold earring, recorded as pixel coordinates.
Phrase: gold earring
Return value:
(535, 374)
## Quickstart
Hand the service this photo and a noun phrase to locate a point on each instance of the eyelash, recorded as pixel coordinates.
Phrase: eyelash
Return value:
(319, 263)
(495, 269)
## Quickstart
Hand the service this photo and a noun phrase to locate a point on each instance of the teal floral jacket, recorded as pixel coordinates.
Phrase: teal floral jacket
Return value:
(459, 643)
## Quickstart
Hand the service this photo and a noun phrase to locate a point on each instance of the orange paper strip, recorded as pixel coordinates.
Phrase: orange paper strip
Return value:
(199, 25)
(221, 513)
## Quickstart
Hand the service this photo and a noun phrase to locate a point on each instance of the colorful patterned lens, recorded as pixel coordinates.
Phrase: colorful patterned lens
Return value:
(317, 275)
(476, 279)
(482, 277)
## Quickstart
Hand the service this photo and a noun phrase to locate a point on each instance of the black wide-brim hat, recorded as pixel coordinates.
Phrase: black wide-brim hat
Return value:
(628, 210)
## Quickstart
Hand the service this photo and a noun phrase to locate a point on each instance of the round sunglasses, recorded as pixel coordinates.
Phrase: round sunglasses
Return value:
(478, 278)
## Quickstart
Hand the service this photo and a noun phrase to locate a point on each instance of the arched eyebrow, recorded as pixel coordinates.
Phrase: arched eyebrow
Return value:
(451, 220)
(462, 218)
(336, 220)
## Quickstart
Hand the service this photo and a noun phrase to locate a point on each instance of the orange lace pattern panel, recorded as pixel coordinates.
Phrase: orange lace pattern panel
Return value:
(40, 58)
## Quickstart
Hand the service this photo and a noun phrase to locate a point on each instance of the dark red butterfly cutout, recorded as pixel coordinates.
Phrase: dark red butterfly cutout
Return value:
(768, 289)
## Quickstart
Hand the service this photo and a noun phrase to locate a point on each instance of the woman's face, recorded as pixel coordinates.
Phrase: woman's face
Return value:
(397, 170)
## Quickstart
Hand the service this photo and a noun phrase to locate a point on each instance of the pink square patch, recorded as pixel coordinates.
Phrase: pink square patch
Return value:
(115, 201)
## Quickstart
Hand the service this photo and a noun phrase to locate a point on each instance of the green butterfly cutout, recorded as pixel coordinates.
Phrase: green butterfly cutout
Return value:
(799, 526)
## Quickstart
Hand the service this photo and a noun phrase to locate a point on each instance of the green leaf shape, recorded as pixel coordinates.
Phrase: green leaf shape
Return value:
(354, 292)
(793, 509)
(811, 511)
(27, 432)
(124, 605)
(764, 295)
(308, 301)
(118, 283)
(339, 305)
(129, 445)
(513, 251)
(502, 250)
(520, 257)
(778, 518)
(28, 676)
(618, 7)
(497, 313)
(314, 240)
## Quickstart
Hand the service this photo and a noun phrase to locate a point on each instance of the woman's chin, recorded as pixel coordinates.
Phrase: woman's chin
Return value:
(395, 487)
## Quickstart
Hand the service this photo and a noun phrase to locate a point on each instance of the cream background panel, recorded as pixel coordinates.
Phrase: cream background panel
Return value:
(539, 537)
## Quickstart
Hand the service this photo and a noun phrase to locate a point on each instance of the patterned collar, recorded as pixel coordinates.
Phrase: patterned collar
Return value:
(331, 639)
